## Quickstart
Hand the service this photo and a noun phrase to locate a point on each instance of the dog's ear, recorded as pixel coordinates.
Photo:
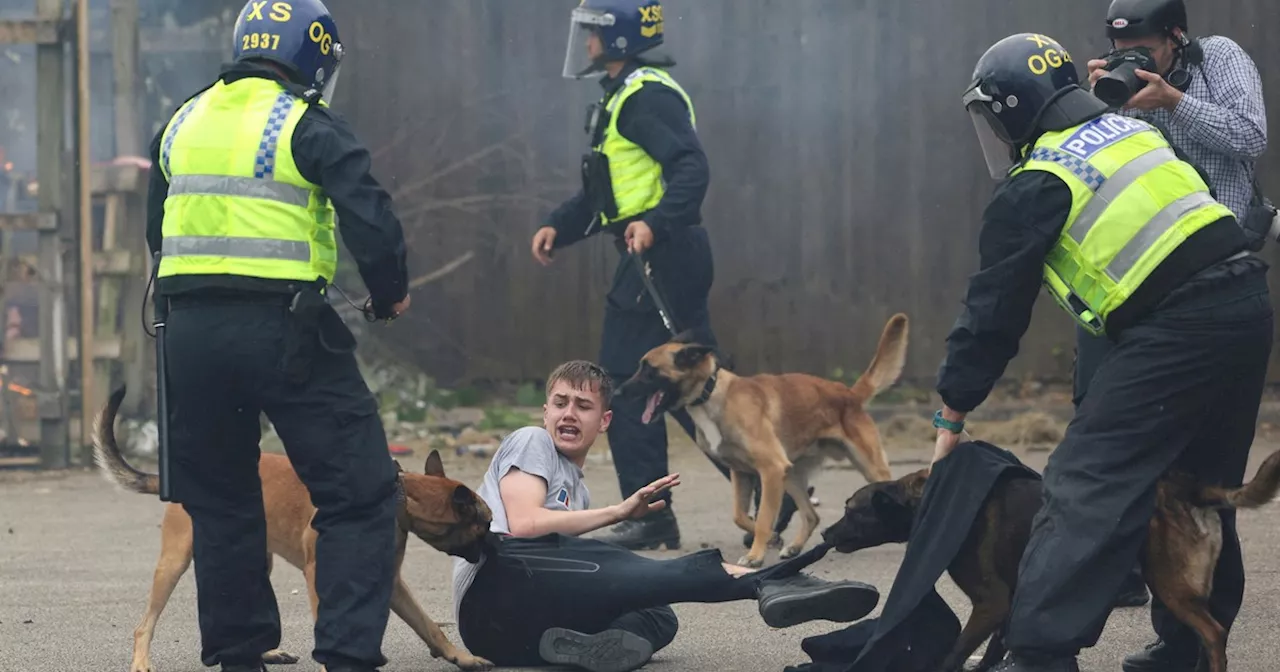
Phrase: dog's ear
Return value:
(889, 500)
(464, 502)
(692, 355)
(434, 466)
(399, 469)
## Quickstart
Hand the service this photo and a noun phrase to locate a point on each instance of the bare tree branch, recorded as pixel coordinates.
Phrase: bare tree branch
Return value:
(455, 166)
(443, 270)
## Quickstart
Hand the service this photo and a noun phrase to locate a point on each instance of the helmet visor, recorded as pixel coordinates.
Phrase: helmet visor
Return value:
(577, 60)
(330, 86)
(996, 148)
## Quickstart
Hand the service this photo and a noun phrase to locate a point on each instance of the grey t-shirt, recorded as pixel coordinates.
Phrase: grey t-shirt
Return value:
(532, 451)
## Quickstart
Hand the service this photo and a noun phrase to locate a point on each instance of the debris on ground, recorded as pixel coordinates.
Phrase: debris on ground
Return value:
(1025, 429)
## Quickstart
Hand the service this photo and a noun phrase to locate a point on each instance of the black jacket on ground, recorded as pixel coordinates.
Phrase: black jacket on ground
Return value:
(327, 153)
(1020, 226)
(916, 629)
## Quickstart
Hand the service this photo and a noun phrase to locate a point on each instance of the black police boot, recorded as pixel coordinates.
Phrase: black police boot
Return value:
(608, 651)
(653, 531)
(1161, 656)
(800, 598)
(1018, 663)
(1133, 592)
(244, 668)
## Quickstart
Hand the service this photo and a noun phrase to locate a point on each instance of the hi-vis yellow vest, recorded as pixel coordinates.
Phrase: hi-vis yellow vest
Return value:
(636, 178)
(1132, 204)
(237, 204)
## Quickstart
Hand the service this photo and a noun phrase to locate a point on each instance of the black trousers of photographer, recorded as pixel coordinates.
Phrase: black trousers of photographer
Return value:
(227, 355)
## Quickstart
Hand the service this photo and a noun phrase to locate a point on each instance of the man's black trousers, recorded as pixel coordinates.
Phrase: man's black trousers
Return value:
(559, 581)
(1181, 387)
(683, 273)
(226, 357)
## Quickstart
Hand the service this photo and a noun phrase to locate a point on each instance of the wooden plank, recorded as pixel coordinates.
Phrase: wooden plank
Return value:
(28, 221)
(111, 263)
(124, 62)
(108, 179)
(88, 390)
(51, 114)
(27, 350)
(30, 31)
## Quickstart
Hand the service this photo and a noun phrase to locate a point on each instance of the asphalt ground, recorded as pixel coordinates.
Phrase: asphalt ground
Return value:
(77, 555)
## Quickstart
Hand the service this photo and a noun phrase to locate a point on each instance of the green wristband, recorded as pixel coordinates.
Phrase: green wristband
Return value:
(943, 423)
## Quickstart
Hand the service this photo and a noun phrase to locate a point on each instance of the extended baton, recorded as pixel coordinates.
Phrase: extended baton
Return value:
(646, 274)
(162, 383)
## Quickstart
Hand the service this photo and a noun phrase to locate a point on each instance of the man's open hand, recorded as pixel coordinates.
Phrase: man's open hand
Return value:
(543, 241)
(638, 504)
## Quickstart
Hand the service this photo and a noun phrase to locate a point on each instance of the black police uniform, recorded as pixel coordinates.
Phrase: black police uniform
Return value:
(656, 119)
(234, 349)
(1187, 362)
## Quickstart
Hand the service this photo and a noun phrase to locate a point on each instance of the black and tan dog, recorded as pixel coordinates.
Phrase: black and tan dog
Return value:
(1178, 560)
(442, 512)
(779, 427)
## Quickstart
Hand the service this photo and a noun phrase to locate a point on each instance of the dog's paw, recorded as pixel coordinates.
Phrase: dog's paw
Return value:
(142, 666)
(469, 662)
(749, 562)
(279, 657)
(790, 552)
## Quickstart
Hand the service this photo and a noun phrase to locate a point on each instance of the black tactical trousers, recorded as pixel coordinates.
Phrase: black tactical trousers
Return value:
(226, 357)
(1182, 387)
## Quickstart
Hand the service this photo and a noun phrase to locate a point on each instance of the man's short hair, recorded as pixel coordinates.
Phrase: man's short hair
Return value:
(581, 373)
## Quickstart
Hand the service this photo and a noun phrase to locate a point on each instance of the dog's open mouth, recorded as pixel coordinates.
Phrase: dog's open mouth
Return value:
(651, 406)
(568, 433)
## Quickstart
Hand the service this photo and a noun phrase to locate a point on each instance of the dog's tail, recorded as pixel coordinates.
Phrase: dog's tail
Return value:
(886, 366)
(1258, 492)
(106, 452)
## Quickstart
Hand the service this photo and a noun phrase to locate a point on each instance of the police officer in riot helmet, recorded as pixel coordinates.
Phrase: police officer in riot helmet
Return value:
(644, 180)
(252, 178)
(1127, 239)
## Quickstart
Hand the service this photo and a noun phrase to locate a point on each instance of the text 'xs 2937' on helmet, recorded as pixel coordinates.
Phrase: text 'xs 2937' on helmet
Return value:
(298, 35)
(610, 30)
(1022, 86)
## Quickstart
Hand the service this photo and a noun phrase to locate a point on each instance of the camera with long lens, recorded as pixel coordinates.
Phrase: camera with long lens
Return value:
(1122, 81)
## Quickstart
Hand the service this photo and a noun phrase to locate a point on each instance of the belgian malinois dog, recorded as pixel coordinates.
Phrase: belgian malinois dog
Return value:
(442, 512)
(779, 427)
(1178, 559)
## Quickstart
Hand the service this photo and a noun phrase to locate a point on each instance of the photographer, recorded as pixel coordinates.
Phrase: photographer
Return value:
(1205, 95)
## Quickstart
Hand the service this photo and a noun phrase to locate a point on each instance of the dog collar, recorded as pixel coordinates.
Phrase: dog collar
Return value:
(707, 389)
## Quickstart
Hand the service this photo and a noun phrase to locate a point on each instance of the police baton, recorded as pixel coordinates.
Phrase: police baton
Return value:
(161, 306)
(646, 274)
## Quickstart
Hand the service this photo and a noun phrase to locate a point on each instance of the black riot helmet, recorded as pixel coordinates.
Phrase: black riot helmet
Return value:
(1129, 19)
(1024, 85)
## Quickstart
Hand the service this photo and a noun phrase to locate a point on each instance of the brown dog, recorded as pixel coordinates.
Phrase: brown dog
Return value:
(780, 427)
(1178, 560)
(442, 512)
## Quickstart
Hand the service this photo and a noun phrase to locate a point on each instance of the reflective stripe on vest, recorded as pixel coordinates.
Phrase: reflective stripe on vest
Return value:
(241, 248)
(237, 204)
(1133, 203)
(248, 187)
(636, 177)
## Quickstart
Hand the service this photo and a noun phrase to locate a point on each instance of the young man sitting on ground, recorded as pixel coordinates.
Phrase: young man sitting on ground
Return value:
(543, 595)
